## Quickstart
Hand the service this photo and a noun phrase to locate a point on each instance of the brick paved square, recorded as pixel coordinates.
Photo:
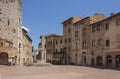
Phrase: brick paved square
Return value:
(57, 72)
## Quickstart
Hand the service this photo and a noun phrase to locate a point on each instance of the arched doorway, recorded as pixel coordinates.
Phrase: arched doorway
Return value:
(3, 58)
(109, 61)
(84, 58)
(117, 60)
(92, 62)
(69, 60)
(76, 58)
(99, 61)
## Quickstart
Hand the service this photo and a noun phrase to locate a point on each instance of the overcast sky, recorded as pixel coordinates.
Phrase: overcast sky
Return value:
(45, 16)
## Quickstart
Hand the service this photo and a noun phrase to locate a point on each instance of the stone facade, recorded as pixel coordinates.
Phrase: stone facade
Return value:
(67, 38)
(50, 48)
(27, 49)
(58, 53)
(8, 53)
(81, 38)
(11, 28)
(94, 41)
(106, 51)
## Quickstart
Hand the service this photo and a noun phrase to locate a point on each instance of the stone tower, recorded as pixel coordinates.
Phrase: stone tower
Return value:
(11, 24)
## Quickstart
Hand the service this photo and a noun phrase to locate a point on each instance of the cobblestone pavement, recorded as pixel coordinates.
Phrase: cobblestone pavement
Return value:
(57, 72)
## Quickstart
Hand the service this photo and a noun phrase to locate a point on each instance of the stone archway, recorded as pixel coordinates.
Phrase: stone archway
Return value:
(109, 61)
(84, 58)
(92, 62)
(117, 60)
(76, 58)
(99, 61)
(3, 58)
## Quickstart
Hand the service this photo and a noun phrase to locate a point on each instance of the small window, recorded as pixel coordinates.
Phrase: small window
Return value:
(69, 22)
(1, 44)
(107, 43)
(65, 40)
(8, 22)
(118, 21)
(60, 41)
(84, 32)
(107, 26)
(56, 50)
(19, 45)
(65, 24)
(93, 43)
(69, 49)
(98, 27)
(0, 11)
(84, 45)
(93, 29)
(69, 40)
(99, 42)
(92, 53)
(56, 42)
(76, 34)
(45, 45)
(69, 30)
(61, 50)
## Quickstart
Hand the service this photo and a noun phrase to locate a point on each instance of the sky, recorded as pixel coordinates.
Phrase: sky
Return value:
(45, 16)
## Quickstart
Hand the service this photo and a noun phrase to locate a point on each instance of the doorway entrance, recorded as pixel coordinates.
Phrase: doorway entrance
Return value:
(3, 58)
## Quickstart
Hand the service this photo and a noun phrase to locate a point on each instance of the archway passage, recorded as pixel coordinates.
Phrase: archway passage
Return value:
(92, 62)
(109, 61)
(84, 58)
(3, 58)
(99, 61)
(117, 60)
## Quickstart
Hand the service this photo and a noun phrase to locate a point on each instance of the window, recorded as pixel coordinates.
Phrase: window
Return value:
(65, 40)
(93, 43)
(56, 50)
(1, 44)
(61, 50)
(118, 21)
(107, 43)
(45, 46)
(60, 41)
(84, 45)
(69, 22)
(8, 22)
(92, 53)
(69, 30)
(56, 42)
(107, 26)
(0, 11)
(76, 34)
(65, 24)
(69, 40)
(84, 32)
(76, 45)
(93, 29)
(69, 49)
(98, 27)
(99, 42)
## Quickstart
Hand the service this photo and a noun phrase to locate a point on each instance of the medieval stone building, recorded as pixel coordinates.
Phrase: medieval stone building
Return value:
(11, 29)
